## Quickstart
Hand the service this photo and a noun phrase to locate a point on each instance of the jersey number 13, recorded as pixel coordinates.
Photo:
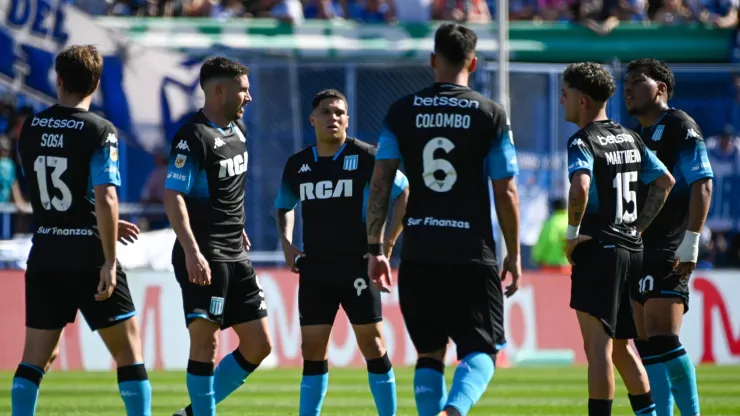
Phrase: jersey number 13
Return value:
(58, 165)
(439, 174)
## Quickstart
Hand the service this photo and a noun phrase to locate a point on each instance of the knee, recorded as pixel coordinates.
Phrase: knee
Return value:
(371, 346)
(256, 351)
(203, 340)
(313, 350)
(597, 352)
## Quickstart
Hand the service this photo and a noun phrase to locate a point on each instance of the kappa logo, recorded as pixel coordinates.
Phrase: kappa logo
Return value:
(183, 145)
(180, 160)
(577, 142)
(304, 168)
(217, 142)
(111, 138)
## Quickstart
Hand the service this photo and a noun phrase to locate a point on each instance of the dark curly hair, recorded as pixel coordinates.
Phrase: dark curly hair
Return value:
(591, 79)
(655, 70)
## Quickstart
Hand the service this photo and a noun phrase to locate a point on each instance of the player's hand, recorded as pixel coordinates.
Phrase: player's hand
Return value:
(245, 241)
(127, 232)
(570, 245)
(379, 271)
(684, 268)
(512, 265)
(199, 272)
(292, 254)
(687, 254)
(388, 248)
(107, 281)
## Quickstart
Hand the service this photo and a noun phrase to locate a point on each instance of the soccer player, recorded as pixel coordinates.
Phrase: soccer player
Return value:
(605, 162)
(331, 181)
(661, 292)
(71, 156)
(204, 201)
(451, 141)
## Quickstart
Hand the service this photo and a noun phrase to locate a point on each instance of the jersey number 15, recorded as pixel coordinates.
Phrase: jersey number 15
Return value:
(625, 194)
(59, 166)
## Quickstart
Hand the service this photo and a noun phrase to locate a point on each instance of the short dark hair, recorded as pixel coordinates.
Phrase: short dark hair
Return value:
(656, 70)
(324, 94)
(455, 42)
(591, 79)
(79, 67)
(220, 67)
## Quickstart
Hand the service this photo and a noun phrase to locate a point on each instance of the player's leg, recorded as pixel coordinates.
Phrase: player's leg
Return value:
(420, 295)
(317, 308)
(114, 319)
(49, 307)
(361, 300)
(475, 323)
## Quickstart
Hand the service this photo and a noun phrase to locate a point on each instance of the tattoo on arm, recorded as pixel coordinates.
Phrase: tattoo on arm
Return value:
(380, 191)
(285, 221)
(577, 200)
(653, 203)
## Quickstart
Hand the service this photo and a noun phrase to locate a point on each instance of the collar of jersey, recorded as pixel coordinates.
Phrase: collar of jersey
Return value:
(221, 130)
(665, 113)
(336, 155)
(449, 85)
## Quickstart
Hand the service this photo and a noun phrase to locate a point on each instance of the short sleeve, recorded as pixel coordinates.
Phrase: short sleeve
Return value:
(692, 160)
(501, 160)
(104, 164)
(185, 163)
(400, 183)
(579, 156)
(652, 168)
(286, 197)
(387, 144)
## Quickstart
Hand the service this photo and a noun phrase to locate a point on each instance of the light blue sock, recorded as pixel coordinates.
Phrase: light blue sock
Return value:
(430, 390)
(25, 391)
(383, 387)
(470, 382)
(230, 374)
(660, 386)
(137, 397)
(313, 391)
(202, 395)
(682, 376)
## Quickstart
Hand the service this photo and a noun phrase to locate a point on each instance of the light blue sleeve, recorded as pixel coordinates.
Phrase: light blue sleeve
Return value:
(104, 166)
(501, 160)
(184, 166)
(286, 198)
(579, 157)
(693, 161)
(400, 183)
(387, 145)
(652, 167)
(13, 177)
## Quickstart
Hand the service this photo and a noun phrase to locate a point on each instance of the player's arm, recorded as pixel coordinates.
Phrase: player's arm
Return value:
(654, 173)
(580, 169)
(399, 194)
(182, 173)
(105, 177)
(285, 203)
(387, 160)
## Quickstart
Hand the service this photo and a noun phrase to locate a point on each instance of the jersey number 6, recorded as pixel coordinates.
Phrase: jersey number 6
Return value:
(432, 167)
(625, 194)
(59, 164)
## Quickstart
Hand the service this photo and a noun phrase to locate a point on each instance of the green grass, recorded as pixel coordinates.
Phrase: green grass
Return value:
(513, 391)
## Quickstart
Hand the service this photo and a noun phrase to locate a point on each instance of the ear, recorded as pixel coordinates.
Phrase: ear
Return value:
(312, 120)
(473, 64)
(662, 89)
(59, 82)
(433, 60)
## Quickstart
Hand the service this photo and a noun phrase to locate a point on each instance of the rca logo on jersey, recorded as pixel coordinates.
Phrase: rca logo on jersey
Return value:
(304, 168)
(52, 140)
(234, 166)
(350, 162)
(619, 138)
(217, 142)
(326, 190)
(57, 123)
(180, 160)
(577, 142)
(182, 146)
(445, 102)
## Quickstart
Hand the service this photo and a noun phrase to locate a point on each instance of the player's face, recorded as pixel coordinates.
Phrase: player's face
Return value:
(330, 120)
(641, 92)
(571, 100)
(236, 96)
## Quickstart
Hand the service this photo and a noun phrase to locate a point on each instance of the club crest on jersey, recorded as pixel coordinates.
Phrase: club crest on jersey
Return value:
(350, 162)
(658, 133)
(180, 160)
(217, 306)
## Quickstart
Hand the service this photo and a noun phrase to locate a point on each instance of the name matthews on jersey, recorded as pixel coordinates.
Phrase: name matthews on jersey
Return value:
(443, 120)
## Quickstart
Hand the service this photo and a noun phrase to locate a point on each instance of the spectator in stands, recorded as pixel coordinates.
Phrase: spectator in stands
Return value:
(555, 10)
(549, 252)
(227, 9)
(632, 10)
(288, 11)
(473, 11)
(323, 9)
(719, 13)
(673, 12)
(9, 189)
(598, 15)
(518, 9)
(153, 191)
(413, 11)
(373, 11)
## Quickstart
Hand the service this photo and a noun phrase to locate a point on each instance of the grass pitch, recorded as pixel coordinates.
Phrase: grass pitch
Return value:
(513, 391)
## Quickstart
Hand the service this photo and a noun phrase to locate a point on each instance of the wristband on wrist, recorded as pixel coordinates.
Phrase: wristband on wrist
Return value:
(572, 232)
(375, 249)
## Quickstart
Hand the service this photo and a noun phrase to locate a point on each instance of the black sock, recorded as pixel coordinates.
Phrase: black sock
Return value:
(642, 404)
(599, 407)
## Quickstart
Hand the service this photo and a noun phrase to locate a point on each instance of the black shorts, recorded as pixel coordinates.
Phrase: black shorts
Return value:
(54, 295)
(600, 285)
(326, 284)
(233, 297)
(462, 302)
(658, 279)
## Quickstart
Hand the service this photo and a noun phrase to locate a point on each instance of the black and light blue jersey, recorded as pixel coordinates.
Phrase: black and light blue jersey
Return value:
(208, 165)
(333, 193)
(65, 152)
(617, 161)
(677, 140)
(451, 142)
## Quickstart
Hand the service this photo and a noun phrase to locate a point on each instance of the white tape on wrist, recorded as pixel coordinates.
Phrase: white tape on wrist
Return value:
(688, 250)
(572, 232)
